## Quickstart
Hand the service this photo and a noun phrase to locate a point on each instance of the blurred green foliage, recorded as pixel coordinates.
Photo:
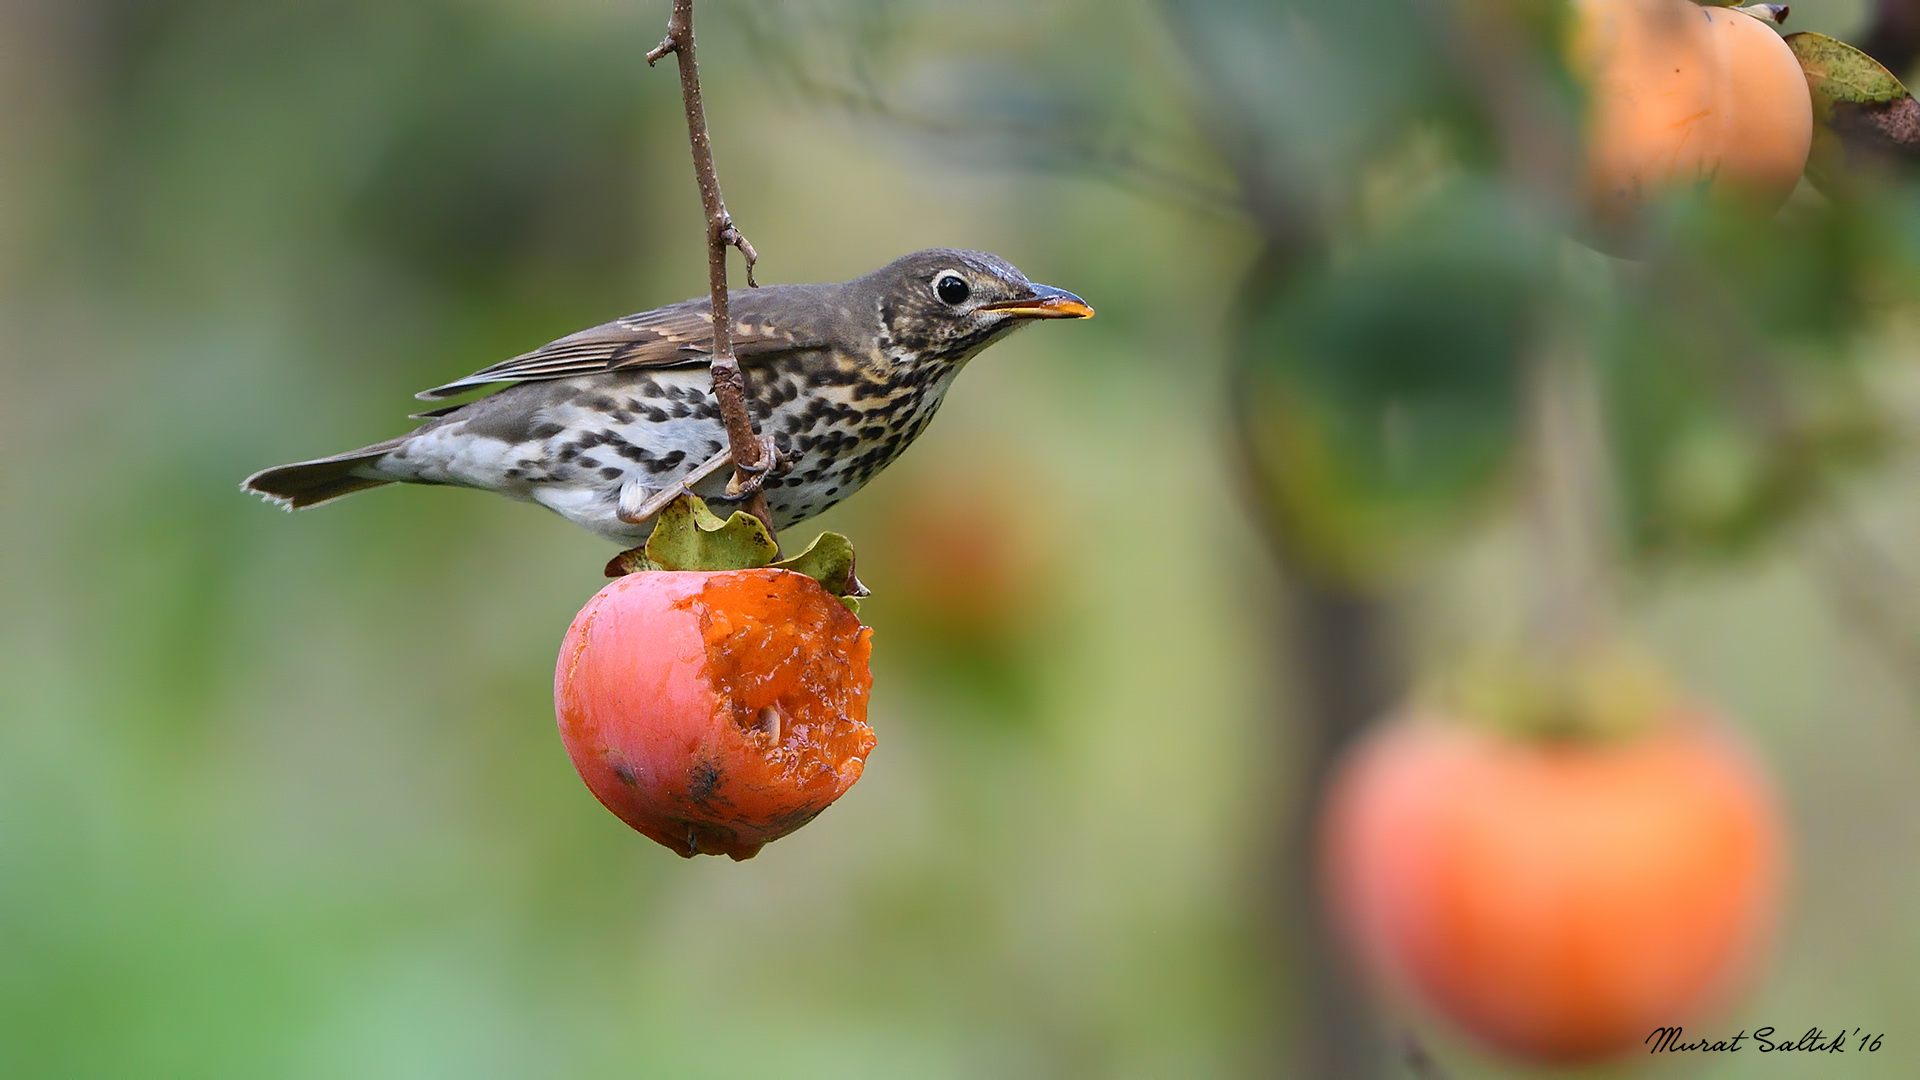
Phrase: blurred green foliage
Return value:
(1738, 393)
(1377, 398)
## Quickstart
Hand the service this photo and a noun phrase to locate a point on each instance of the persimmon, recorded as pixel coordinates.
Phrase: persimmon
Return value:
(1679, 95)
(973, 573)
(715, 712)
(1556, 899)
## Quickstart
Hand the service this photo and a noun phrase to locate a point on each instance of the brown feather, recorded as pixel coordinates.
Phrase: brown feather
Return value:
(673, 336)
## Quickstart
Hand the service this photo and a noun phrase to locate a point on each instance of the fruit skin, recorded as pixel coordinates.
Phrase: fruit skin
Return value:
(1679, 94)
(715, 712)
(1556, 900)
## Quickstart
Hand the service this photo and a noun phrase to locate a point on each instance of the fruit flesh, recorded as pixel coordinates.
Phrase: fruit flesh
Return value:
(715, 712)
(779, 667)
(1558, 901)
(1679, 94)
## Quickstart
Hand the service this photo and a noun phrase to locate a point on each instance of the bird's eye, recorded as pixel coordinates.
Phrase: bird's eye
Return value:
(952, 289)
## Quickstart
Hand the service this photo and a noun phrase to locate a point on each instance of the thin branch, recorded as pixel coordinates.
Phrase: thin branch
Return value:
(753, 457)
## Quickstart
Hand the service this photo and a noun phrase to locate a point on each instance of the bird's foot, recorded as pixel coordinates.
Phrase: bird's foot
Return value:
(638, 504)
(748, 481)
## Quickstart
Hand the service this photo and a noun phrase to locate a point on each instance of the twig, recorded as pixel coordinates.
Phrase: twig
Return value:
(753, 459)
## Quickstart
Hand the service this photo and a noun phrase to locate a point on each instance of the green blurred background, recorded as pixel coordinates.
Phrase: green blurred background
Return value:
(282, 796)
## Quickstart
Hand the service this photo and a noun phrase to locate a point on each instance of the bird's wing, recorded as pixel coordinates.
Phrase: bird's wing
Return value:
(672, 336)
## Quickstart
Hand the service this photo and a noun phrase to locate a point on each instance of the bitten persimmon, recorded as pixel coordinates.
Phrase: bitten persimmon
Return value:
(715, 712)
(1557, 899)
(1680, 94)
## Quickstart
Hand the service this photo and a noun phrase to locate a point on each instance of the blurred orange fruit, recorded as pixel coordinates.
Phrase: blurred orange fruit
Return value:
(1680, 94)
(965, 559)
(715, 712)
(1558, 900)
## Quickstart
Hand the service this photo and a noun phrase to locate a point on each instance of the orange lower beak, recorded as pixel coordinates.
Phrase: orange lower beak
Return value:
(1046, 302)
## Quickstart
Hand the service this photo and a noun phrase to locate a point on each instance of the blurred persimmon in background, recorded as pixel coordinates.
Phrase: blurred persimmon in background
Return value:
(1557, 898)
(1680, 94)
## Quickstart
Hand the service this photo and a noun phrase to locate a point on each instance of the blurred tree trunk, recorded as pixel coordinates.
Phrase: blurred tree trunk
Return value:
(1345, 671)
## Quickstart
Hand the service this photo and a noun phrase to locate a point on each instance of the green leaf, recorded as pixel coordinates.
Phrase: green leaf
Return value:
(1838, 72)
(1376, 402)
(688, 536)
(828, 560)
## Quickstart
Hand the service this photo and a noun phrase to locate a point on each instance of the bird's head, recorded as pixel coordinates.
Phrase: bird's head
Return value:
(945, 304)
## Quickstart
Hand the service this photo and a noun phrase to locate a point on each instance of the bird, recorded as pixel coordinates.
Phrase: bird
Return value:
(599, 425)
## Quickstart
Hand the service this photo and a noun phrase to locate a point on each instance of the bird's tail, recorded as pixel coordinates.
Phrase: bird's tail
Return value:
(306, 483)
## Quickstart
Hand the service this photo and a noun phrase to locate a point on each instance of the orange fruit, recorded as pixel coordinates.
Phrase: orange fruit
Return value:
(1681, 95)
(715, 712)
(1557, 900)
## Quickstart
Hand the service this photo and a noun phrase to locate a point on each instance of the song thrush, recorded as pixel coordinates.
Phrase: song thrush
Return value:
(592, 426)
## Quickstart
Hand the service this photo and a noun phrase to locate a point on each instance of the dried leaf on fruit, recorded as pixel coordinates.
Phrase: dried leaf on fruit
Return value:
(829, 561)
(688, 536)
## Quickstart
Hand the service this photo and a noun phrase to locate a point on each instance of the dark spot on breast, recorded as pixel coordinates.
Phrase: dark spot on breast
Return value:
(547, 430)
(613, 472)
(674, 458)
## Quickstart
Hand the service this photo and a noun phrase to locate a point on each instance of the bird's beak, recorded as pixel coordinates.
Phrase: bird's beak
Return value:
(1046, 302)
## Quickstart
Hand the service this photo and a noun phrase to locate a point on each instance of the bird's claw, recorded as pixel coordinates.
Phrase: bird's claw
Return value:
(747, 481)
